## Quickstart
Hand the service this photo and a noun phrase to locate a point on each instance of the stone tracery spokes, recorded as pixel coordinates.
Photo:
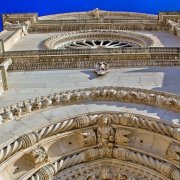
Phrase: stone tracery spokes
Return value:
(94, 44)
(97, 38)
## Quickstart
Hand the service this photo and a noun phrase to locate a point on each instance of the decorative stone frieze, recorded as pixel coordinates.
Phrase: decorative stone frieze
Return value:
(164, 168)
(118, 169)
(159, 99)
(86, 58)
(106, 135)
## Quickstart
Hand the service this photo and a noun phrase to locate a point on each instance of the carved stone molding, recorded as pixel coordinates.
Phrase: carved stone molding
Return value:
(105, 14)
(119, 169)
(29, 139)
(86, 58)
(105, 134)
(164, 168)
(98, 34)
(132, 95)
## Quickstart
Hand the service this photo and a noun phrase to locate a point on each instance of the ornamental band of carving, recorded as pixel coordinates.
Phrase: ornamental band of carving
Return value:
(132, 95)
(124, 154)
(106, 135)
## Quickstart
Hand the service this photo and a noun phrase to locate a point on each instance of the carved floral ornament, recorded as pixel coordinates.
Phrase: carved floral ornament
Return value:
(132, 95)
(121, 38)
(108, 137)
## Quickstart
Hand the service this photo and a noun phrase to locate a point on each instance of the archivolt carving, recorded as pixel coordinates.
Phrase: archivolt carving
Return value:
(139, 39)
(119, 169)
(132, 95)
(164, 168)
(106, 135)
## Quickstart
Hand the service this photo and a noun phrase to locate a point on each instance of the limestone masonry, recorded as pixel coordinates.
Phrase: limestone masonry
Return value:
(90, 96)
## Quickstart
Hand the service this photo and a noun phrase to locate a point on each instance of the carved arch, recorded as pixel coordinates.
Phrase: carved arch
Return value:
(84, 130)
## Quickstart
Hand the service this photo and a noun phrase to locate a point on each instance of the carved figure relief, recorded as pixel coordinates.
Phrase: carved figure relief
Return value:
(96, 13)
(89, 138)
(101, 68)
(105, 135)
(39, 155)
(24, 26)
(7, 115)
(121, 136)
(105, 132)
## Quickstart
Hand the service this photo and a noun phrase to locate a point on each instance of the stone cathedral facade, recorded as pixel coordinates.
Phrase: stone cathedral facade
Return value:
(90, 96)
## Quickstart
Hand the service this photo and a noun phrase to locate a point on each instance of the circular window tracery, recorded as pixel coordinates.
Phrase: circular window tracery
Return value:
(95, 44)
(93, 39)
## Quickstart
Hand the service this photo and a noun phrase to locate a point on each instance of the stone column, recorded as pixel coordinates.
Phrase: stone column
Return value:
(3, 68)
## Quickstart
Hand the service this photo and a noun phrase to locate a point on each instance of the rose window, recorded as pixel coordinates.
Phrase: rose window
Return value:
(95, 44)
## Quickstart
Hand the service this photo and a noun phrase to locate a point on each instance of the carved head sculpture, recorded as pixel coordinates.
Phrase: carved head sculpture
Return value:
(104, 119)
(101, 68)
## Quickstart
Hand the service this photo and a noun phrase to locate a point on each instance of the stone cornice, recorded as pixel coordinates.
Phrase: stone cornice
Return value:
(88, 20)
(86, 58)
(105, 14)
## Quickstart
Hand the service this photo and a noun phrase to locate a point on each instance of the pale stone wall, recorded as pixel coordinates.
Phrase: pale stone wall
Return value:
(35, 41)
(25, 85)
(59, 119)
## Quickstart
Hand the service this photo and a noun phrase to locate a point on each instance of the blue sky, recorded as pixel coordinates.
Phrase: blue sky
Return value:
(44, 7)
